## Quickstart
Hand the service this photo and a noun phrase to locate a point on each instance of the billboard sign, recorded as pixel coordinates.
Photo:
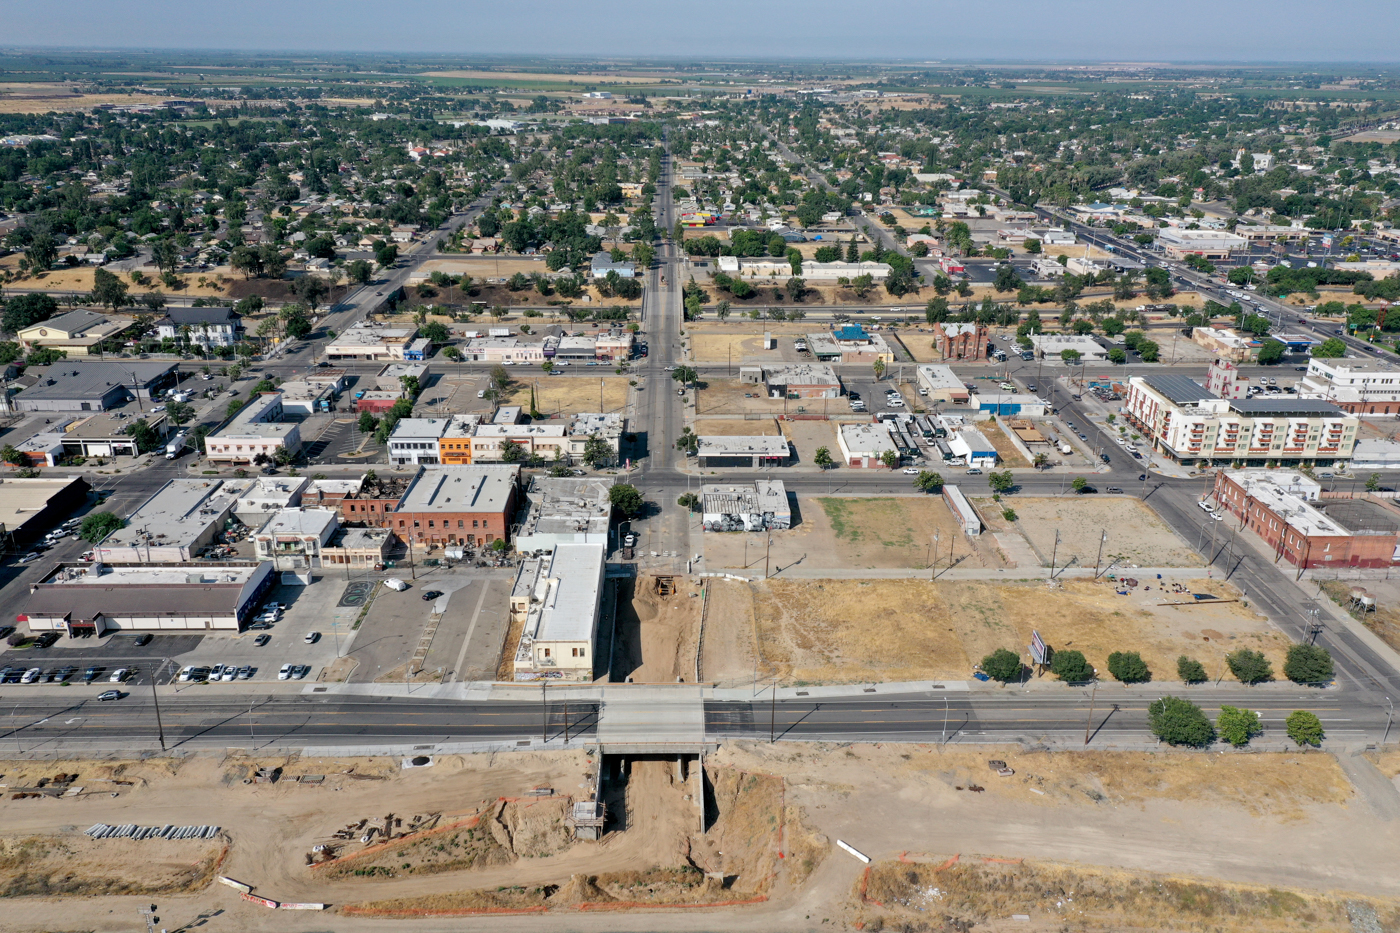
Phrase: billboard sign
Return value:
(1038, 650)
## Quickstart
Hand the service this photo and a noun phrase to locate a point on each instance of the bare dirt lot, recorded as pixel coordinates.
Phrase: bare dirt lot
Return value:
(740, 348)
(1385, 620)
(736, 427)
(1136, 536)
(807, 437)
(656, 635)
(560, 395)
(841, 533)
(824, 631)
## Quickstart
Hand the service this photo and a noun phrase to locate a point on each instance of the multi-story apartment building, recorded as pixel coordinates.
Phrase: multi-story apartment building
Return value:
(1191, 425)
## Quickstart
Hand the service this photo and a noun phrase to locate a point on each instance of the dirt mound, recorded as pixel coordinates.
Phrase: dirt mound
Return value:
(533, 829)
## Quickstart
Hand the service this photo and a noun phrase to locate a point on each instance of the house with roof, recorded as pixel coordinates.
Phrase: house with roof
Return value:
(77, 333)
(603, 263)
(205, 327)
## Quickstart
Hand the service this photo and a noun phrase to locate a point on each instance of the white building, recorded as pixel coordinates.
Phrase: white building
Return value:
(756, 506)
(256, 431)
(973, 446)
(942, 384)
(1210, 244)
(1051, 346)
(95, 598)
(1189, 424)
(293, 538)
(1363, 387)
(564, 510)
(755, 452)
(556, 599)
(862, 445)
(368, 340)
(416, 440)
(268, 494)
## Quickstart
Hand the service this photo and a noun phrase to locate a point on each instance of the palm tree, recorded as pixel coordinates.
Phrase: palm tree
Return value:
(184, 331)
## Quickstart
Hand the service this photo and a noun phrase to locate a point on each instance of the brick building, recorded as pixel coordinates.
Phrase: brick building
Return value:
(1285, 509)
(961, 341)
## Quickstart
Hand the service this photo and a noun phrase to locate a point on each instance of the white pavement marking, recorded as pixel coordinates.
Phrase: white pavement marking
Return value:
(476, 614)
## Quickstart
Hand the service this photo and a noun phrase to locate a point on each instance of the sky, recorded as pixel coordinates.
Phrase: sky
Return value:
(921, 30)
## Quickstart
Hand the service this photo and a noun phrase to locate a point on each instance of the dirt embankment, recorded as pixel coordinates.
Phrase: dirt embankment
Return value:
(968, 891)
(72, 864)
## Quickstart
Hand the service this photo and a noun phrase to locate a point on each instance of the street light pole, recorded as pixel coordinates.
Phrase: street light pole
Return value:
(1103, 536)
(1388, 717)
(155, 698)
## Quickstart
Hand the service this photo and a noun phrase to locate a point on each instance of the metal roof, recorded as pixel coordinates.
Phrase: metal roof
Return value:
(1182, 390)
(1303, 407)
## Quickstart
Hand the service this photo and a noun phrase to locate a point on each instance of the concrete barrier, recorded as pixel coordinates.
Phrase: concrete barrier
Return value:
(301, 906)
(236, 885)
(860, 855)
(266, 902)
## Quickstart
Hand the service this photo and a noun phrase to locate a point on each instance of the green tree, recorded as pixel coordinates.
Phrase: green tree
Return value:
(511, 452)
(41, 252)
(436, 331)
(1304, 728)
(1001, 482)
(1079, 484)
(626, 498)
(11, 454)
(1002, 665)
(689, 501)
(1373, 482)
(822, 458)
(685, 375)
(500, 379)
(1190, 671)
(108, 290)
(145, 436)
(1271, 353)
(1070, 665)
(890, 459)
(311, 289)
(928, 481)
(233, 406)
(367, 422)
(99, 525)
(1117, 355)
(179, 412)
(360, 272)
(1006, 279)
(879, 369)
(45, 356)
(165, 254)
(1308, 664)
(1128, 667)
(23, 310)
(282, 456)
(1237, 726)
(1179, 722)
(1249, 667)
(598, 453)
(1332, 348)
(688, 442)
(1070, 356)
(1149, 351)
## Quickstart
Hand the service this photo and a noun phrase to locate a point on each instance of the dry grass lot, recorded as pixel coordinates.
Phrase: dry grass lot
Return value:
(216, 281)
(1135, 533)
(1010, 456)
(727, 397)
(44, 98)
(841, 533)
(741, 348)
(736, 427)
(824, 631)
(1385, 621)
(555, 395)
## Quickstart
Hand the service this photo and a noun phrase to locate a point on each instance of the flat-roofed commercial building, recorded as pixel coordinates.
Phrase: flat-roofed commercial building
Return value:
(294, 538)
(416, 440)
(606, 426)
(564, 510)
(556, 600)
(455, 445)
(1285, 509)
(77, 333)
(799, 380)
(105, 435)
(849, 343)
(256, 431)
(1362, 387)
(1192, 425)
(863, 445)
(942, 384)
(445, 505)
(268, 494)
(371, 341)
(1052, 346)
(754, 452)
(172, 526)
(491, 441)
(1209, 244)
(755, 506)
(91, 385)
(30, 508)
(98, 597)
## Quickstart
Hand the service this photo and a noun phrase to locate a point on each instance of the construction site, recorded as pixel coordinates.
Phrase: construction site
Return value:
(800, 836)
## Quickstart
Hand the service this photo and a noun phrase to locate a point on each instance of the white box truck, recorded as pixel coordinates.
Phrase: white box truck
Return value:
(176, 445)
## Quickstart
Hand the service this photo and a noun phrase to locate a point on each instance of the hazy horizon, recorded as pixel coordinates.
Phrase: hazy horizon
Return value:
(1014, 31)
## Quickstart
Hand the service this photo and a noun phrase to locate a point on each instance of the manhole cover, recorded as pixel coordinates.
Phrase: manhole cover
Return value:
(355, 594)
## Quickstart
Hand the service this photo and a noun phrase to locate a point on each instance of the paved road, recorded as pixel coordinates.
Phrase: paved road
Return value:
(191, 718)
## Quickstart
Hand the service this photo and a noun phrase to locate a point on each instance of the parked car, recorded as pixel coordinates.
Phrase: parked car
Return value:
(119, 675)
(216, 672)
(143, 639)
(431, 594)
(1205, 506)
(300, 671)
(974, 471)
(92, 674)
(910, 471)
(245, 672)
(1114, 490)
(262, 639)
(31, 675)
(284, 672)
(230, 673)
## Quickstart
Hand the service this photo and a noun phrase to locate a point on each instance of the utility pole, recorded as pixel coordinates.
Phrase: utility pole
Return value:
(767, 551)
(544, 711)
(773, 715)
(1054, 552)
(160, 729)
(1388, 717)
(566, 722)
(1103, 536)
(945, 721)
(933, 563)
(1088, 722)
